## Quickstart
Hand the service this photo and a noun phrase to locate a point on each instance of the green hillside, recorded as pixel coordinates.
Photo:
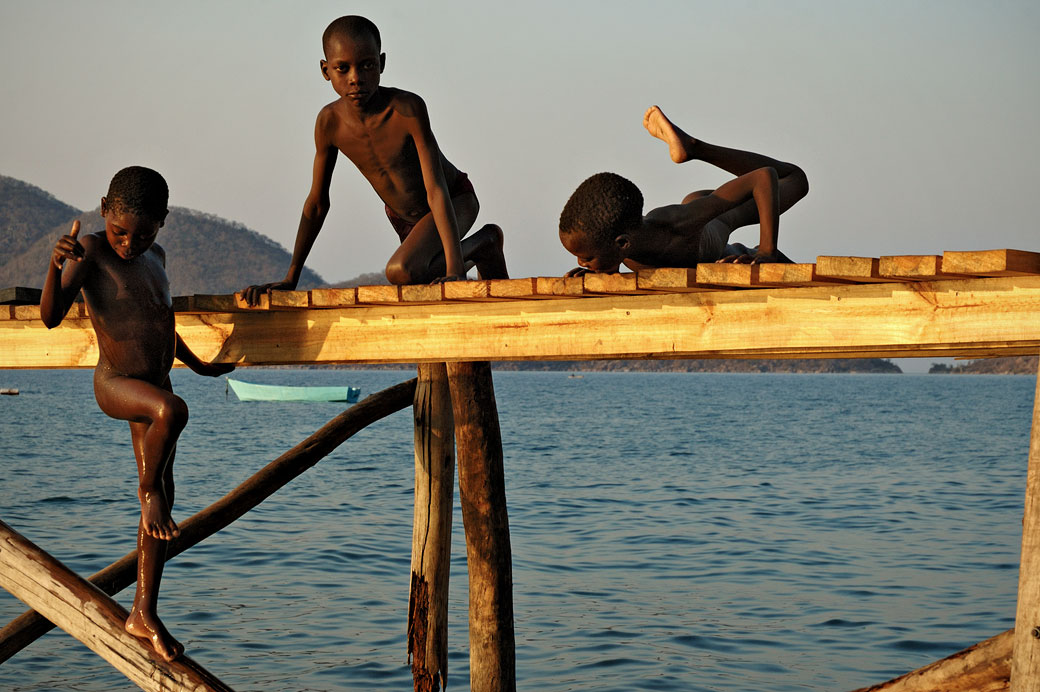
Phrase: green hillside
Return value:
(204, 253)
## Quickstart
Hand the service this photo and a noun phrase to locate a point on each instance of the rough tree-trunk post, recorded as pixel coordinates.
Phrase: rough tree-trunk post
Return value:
(1025, 665)
(482, 491)
(431, 530)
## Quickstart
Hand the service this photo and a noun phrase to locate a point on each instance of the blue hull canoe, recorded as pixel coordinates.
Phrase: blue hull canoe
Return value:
(246, 391)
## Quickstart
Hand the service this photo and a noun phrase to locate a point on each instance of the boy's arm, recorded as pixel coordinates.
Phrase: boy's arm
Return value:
(315, 209)
(61, 287)
(186, 356)
(437, 195)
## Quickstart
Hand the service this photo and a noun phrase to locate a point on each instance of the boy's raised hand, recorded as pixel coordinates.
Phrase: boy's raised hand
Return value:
(68, 247)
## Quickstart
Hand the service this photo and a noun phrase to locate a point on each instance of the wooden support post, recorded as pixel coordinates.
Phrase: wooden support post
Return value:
(431, 529)
(25, 629)
(482, 491)
(85, 612)
(1025, 667)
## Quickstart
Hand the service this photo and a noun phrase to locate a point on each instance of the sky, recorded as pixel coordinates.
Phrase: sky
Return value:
(916, 122)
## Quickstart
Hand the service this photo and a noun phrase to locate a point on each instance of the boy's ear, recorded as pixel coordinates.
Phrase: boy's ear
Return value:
(382, 62)
(624, 243)
(325, 69)
(162, 220)
(104, 206)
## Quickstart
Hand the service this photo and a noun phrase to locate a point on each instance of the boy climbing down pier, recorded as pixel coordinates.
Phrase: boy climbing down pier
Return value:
(386, 133)
(123, 277)
(603, 225)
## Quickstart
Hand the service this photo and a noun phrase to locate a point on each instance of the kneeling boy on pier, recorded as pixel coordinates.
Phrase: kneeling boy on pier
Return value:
(122, 273)
(386, 133)
(603, 225)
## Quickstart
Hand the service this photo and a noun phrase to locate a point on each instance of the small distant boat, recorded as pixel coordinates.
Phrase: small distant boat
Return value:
(247, 391)
(575, 377)
(9, 392)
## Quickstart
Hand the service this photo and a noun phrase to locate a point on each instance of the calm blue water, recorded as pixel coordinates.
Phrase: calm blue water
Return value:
(669, 532)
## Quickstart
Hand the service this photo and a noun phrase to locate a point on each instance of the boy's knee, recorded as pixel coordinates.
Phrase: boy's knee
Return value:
(397, 273)
(799, 182)
(174, 413)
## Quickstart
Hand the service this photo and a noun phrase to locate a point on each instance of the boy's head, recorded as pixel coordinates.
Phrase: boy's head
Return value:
(353, 58)
(134, 210)
(596, 221)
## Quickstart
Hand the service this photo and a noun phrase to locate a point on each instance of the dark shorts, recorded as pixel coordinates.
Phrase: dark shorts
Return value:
(461, 186)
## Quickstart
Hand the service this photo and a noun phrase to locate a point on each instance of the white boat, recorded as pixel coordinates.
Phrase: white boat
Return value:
(247, 391)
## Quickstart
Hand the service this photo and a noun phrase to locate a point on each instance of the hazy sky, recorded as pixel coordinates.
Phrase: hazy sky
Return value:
(916, 122)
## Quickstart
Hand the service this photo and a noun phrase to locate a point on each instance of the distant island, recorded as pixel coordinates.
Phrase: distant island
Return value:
(1013, 365)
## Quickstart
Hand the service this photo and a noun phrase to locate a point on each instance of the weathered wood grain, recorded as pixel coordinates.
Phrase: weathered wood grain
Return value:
(984, 667)
(88, 614)
(1025, 669)
(991, 262)
(482, 494)
(431, 529)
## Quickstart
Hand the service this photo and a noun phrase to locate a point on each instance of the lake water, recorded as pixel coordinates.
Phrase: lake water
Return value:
(669, 531)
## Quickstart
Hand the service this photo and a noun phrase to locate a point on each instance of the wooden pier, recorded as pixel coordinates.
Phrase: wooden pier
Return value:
(963, 304)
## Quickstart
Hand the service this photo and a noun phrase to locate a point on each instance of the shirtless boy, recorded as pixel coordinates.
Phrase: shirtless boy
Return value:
(123, 277)
(386, 133)
(603, 225)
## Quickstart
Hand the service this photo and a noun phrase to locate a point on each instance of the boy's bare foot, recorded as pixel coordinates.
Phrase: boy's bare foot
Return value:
(680, 144)
(148, 626)
(155, 516)
(488, 255)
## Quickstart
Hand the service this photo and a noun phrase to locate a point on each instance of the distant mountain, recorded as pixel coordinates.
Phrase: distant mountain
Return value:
(1014, 365)
(204, 253)
(832, 365)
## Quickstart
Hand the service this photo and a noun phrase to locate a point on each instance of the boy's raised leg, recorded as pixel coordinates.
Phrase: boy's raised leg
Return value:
(792, 183)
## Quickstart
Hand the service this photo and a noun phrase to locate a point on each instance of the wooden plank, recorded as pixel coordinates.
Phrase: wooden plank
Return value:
(25, 629)
(467, 290)
(991, 262)
(422, 293)
(333, 297)
(791, 275)
(378, 294)
(914, 319)
(206, 303)
(673, 279)
(241, 304)
(857, 269)
(611, 283)
(20, 295)
(728, 275)
(290, 299)
(984, 667)
(25, 312)
(1025, 668)
(84, 611)
(913, 268)
(431, 528)
(6, 312)
(514, 288)
(559, 286)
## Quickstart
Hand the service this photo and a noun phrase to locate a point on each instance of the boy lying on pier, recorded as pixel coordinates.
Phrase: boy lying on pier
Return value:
(603, 225)
(123, 277)
(386, 133)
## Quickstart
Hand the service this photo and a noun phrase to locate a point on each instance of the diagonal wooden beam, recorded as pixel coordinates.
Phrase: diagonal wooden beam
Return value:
(89, 615)
(29, 626)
